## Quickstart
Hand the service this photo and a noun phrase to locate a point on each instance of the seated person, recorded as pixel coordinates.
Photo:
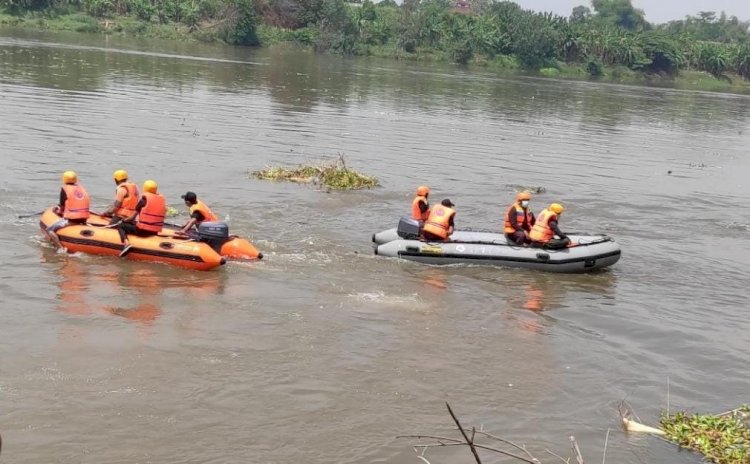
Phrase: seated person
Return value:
(73, 207)
(544, 231)
(439, 224)
(150, 212)
(519, 220)
(199, 212)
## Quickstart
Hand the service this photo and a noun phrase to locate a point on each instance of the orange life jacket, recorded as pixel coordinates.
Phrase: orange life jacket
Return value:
(77, 203)
(417, 213)
(127, 208)
(208, 215)
(541, 232)
(438, 222)
(523, 218)
(152, 215)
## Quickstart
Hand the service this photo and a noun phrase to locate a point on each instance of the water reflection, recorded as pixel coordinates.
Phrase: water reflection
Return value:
(299, 81)
(132, 292)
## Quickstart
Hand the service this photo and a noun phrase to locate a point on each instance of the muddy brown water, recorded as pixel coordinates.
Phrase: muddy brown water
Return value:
(323, 352)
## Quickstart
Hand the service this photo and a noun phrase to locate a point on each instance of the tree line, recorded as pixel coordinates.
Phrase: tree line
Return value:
(612, 33)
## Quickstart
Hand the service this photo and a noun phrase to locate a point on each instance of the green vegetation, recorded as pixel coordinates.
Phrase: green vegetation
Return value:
(172, 212)
(333, 174)
(722, 439)
(613, 40)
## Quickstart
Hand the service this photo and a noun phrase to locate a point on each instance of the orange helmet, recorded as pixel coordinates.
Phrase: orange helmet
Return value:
(556, 208)
(423, 190)
(525, 195)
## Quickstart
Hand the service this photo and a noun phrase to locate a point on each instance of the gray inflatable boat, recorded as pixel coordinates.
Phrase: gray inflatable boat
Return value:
(589, 252)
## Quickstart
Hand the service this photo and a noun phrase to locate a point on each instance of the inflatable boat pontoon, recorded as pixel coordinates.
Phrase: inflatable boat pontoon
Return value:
(586, 253)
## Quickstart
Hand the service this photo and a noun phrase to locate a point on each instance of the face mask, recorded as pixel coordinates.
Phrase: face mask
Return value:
(525, 204)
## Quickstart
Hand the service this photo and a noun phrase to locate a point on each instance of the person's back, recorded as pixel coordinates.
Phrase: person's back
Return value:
(546, 227)
(439, 224)
(151, 216)
(73, 206)
(148, 218)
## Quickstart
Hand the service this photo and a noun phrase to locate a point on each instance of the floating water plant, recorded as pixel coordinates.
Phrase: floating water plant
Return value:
(172, 212)
(333, 174)
(722, 438)
(527, 188)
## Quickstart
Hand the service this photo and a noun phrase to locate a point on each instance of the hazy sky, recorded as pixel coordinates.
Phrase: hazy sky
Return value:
(657, 11)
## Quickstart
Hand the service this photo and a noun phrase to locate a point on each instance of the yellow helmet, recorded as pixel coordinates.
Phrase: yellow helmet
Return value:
(120, 175)
(150, 186)
(423, 190)
(525, 195)
(69, 177)
(556, 208)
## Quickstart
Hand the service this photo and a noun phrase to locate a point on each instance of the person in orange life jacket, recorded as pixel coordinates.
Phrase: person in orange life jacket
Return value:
(544, 231)
(73, 207)
(199, 212)
(126, 198)
(420, 206)
(150, 212)
(519, 220)
(439, 224)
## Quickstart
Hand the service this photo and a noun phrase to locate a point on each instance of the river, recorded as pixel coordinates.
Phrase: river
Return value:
(323, 352)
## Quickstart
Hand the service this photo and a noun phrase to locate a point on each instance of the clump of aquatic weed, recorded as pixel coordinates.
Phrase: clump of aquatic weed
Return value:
(527, 188)
(333, 174)
(722, 439)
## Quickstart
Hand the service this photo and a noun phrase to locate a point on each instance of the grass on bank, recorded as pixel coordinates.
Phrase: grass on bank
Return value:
(721, 439)
(333, 174)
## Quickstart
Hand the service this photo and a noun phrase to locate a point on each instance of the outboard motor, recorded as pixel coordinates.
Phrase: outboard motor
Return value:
(214, 233)
(409, 228)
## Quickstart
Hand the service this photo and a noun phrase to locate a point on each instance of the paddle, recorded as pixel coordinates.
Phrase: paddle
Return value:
(26, 216)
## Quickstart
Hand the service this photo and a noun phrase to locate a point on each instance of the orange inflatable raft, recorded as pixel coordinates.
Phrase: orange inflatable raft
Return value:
(96, 239)
(229, 247)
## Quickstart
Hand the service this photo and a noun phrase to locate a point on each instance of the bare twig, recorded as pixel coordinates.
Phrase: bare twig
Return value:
(460, 428)
(488, 448)
(433, 437)
(522, 448)
(566, 461)
(604, 453)
(576, 450)
(667, 396)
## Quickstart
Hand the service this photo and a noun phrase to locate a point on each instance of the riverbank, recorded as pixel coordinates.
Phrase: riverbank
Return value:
(270, 36)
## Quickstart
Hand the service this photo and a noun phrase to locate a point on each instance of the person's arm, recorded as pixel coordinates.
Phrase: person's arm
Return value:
(532, 219)
(423, 207)
(196, 217)
(138, 208)
(451, 226)
(556, 230)
(121, 193)
(60, 208)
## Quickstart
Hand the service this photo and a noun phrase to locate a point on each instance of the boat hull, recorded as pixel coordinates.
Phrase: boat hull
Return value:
(235, 248)
(588, 253)
(100, 240)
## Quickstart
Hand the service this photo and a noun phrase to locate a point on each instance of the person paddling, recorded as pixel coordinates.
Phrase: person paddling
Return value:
(73, 208)
(150, 213)
(126, 198)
